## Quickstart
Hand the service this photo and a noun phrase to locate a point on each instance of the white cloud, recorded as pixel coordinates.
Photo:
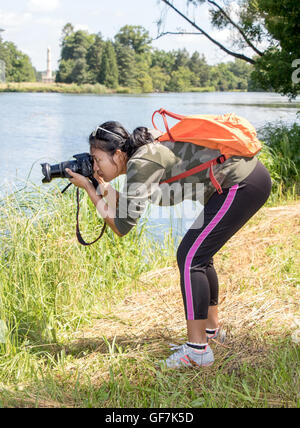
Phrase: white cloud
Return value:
(12, 21)
(43, 5)
(81, 27)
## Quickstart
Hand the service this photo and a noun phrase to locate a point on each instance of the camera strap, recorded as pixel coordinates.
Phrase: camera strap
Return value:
(78, 234)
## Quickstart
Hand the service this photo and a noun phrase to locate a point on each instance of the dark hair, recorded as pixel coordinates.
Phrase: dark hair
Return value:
(119, 139)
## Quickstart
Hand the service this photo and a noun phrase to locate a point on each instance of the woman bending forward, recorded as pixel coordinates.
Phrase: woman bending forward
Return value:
(246, 186)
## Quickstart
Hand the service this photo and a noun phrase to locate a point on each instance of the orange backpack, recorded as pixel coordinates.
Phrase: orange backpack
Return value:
(230, 134)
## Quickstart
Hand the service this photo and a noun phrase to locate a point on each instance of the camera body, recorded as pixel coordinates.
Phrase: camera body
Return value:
(82, 165)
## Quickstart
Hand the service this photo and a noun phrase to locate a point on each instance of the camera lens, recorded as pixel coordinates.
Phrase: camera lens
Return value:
(82, 165)
(46, 170)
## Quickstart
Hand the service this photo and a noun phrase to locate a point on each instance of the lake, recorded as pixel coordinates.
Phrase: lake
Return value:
(36, 128)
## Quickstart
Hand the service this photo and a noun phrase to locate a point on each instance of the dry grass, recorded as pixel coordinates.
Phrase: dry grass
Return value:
(54, 87)
(251, 307)
(112, 363)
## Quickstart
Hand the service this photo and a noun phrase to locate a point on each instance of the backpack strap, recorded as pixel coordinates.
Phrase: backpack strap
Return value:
(165, 113)
(219, 160)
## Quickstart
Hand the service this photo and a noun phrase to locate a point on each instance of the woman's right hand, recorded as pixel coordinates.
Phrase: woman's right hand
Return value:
(102, 184)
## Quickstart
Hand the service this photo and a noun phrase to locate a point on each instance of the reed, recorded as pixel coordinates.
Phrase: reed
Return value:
(85, 326)
(50, 284)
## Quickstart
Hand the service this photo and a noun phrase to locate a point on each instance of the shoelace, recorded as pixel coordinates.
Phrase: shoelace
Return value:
(175, 347)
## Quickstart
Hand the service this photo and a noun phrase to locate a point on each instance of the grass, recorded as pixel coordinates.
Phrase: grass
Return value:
(73, 88)
(280, 154)
(62, 88)
(86, 326)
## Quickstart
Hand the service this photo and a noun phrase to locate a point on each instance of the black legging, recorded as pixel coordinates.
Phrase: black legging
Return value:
(223, 216)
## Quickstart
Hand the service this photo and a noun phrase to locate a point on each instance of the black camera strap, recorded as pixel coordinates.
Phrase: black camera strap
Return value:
(78, 234)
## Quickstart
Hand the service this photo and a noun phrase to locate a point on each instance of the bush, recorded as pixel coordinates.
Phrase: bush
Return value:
(281, 155)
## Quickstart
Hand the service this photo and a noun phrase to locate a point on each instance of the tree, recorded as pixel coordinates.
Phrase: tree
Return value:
(200, 69)
(242, 71)
(18, 67)
(163, 59)
(109, 74)
(180, 80)
(79, 73)
(64, 73)
(275, 68)
(126, 65)
(142, 76)
(200, 30)
(144, 81)
(223, 79)
(76, 47)
(67, 31)
(182, 58)
(94, 58)
(134, 37)
(271, 21)
(160, 79)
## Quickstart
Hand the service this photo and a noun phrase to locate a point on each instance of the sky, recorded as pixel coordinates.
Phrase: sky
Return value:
(33, 25)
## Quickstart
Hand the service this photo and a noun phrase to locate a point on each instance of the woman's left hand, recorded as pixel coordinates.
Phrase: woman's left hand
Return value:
(78, 179)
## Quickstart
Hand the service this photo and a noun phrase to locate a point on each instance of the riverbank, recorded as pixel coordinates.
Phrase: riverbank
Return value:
(62, 88)
(73, 88)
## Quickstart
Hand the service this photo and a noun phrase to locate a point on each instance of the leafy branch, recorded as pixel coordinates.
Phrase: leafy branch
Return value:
(205, 34)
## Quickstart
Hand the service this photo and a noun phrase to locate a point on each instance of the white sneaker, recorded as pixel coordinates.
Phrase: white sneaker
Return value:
(186, 356)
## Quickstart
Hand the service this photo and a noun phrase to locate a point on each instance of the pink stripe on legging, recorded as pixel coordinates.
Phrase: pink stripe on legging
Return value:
(189, 258)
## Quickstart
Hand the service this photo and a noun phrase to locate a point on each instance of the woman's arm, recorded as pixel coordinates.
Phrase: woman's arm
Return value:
(106, 212)
(110, 194)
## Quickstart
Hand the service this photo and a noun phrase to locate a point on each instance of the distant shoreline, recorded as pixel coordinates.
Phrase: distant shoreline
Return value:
(73, 88)
(98, 89)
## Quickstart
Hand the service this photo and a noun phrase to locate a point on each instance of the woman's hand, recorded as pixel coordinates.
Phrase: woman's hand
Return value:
(104, 186)
(78, 179)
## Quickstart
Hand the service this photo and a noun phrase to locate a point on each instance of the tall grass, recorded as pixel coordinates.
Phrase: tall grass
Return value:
(281, 155)
(50, 284)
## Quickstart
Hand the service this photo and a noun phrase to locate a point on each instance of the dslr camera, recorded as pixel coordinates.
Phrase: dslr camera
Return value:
(82, 165)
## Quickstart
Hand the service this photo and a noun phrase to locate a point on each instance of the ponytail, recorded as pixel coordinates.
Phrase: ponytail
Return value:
(112, 136)
(138, 138)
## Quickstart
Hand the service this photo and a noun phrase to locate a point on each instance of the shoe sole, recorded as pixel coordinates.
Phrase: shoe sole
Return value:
(194, 364)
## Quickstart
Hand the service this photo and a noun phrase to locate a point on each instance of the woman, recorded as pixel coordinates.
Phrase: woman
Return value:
(246, 186)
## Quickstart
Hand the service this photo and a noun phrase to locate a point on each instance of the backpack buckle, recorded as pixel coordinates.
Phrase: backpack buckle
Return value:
(221, 159)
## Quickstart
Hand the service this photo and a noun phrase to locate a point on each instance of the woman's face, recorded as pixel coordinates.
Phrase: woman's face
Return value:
(106, 166)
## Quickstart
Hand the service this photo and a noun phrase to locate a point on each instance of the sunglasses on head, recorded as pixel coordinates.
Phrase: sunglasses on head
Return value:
(94, 133)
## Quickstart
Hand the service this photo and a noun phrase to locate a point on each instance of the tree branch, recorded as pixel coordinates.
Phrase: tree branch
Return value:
(177, 32)
(234, 54)
(237, 27)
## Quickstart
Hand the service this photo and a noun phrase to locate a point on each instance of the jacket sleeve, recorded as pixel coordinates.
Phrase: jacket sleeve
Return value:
(141, 183)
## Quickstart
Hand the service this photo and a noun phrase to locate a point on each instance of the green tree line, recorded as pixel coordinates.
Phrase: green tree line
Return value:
(18, 67)
(268, 29)
(130, 61)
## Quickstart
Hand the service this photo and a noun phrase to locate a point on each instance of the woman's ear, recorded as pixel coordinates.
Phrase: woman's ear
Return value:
(120, 158)
(117, 156)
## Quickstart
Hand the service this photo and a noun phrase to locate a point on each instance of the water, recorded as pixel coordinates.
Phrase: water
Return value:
(36, 128)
